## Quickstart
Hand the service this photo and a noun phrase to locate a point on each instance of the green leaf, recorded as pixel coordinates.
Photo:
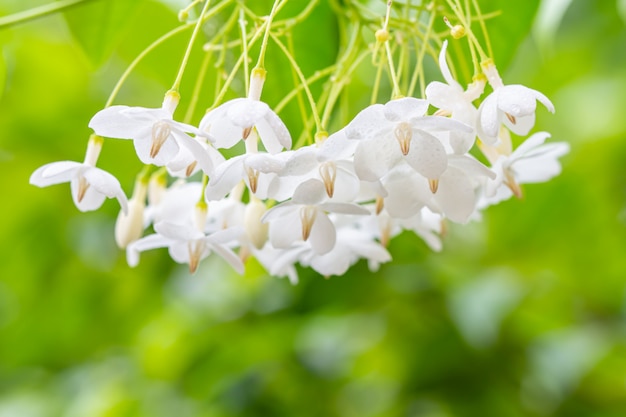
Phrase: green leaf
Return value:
(509, 29)
(98, 26)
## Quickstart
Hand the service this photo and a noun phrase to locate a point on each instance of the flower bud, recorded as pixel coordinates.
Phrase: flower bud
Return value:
(255, 229)
(170, 101)
(129, 226)
(257, 79)
(382, 35)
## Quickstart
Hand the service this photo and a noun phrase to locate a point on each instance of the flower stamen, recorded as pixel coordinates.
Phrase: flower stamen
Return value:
(83, 186)
(195, 252)
(328, 172)
(511, 118)
(404, 133)
(160, 132)
(253, 178)
(307, 217)
(434, 185)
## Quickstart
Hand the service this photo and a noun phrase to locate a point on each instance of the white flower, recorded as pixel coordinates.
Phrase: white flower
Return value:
(512, 105)
(532, 162)
(234, 120)
(452, 100)
(186, 244)
(305, 218)
(90, 185)
(396, 131)
(156, 136)
(337, 175)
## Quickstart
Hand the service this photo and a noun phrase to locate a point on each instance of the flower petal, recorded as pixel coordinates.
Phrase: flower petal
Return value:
(145, 243)
(375, 157)
(323, 235)
(427, 155)
(125, 122)
(405, 108)
(55, 173)
(310, 192)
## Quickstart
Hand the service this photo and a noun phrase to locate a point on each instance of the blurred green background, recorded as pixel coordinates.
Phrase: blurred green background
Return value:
(522, 314)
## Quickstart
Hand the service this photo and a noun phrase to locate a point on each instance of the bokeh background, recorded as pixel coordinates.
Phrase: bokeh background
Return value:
(522, 314)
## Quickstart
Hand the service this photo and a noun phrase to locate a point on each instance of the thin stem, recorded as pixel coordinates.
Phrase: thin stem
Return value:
(196, 30)
(244, 48)
(392, 72)
(37, 12)
(139, 57)
(268, 25)
(483, 26)
(318, 75)
(307, 91)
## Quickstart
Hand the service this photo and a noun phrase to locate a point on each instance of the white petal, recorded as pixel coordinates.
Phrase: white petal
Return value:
(336, 147)
(405, 108)
(375, 157)
(407, 194)
(273, 132)
(263, 162)
(92, 199)
(301, 162)
(146, 243)
(178, 232)
(427, 155)
(125, 122)
(279, 211)
(55, 173)
(106, 184)
(456, 195)
(225, 236)
(367, 123)
(323, 235)
(287, 230)
(488, 119)
(310, 192)
(245, 113)
(443, 66)
(229, 256)
(529, 144)
(168, 151)
(226, 177)
(198, 152)
(344, 208)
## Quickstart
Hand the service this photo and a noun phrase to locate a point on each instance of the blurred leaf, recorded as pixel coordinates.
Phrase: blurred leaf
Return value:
(510, 28)
(3, 73)
(98, 26)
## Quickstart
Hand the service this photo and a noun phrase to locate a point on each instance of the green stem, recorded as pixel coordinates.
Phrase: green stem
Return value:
(196, 30)
(307, 91)
(37, 12)
(138, 59)
(268, 25)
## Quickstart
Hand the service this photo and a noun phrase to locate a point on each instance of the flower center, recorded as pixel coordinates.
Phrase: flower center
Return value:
(328, 172)
(160, 132)
(404, 133)
(83, 186)
(195, 248)
(307, 217)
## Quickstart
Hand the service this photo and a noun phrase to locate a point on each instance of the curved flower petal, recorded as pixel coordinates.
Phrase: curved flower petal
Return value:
(54, 173)
(427, 155)
(323, 235)
(91, 199)
(310, 192)
(105, 184)
(405, 108)
(455, 195)
(125, 122)
(286, 231)
(367, 123)
(153, 241)
(375, 157)
(176, 231)
(273, 132)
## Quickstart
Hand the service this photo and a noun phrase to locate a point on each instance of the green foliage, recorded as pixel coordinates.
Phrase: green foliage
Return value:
(99, 26)
(521, 315)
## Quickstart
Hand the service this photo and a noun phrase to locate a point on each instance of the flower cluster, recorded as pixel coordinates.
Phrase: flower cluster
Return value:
(394, 167)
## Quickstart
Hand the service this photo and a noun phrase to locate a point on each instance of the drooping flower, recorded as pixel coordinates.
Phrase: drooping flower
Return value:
(90, 185)
(234, 120)
(305, 218)
(157, 137)
(451, 99)
(188, 245)
(397, 131)
(533, 161)
(513, 105)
